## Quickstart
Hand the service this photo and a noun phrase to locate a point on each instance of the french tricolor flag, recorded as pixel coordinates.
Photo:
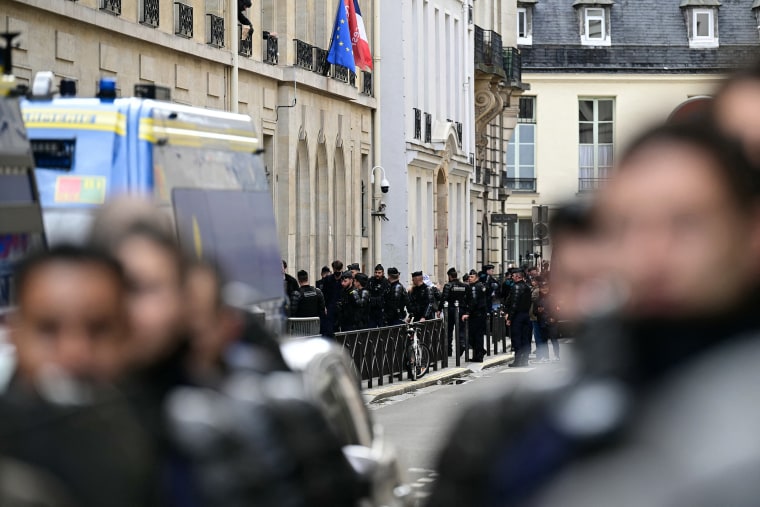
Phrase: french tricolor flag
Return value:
(359, 41)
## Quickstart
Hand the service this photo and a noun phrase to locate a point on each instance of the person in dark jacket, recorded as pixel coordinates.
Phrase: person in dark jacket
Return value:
(332, 290)
(420, 299)
(477, 308)
(396, 300)
(454, 293)
(307, 301)
(351, 304)
(518, 319)
(243, 19)
(290, 283)
(360, 284)
(493, 287)
(378, 286)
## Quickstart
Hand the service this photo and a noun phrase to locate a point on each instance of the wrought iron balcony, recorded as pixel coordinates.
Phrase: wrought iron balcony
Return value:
(367, 83)
(321, 65)
(590, 184)
(183, 20)
(149, 12)
(458, 126)
(304, 55)
(340, 73)
(271, 49)
(245, 46)
(111, 6)
(478, 174)
(521, 184)
(214, 30)
(417, 124)
(488, 49)
(513, 66)
(428, 127)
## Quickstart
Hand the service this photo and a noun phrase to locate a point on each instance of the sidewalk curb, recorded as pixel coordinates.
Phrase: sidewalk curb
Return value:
(442, 376)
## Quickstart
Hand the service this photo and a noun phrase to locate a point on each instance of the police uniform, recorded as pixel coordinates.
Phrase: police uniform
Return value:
(307, 302)
(454, 292)
(362, 316)
(493, 288)
(396, 301)
(377, 287)
(477, 308)
(421, 301)
(520, 325)
(350, 306)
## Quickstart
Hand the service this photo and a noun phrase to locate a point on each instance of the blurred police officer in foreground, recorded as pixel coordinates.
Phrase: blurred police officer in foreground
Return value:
(397, 299)
(454, 292)
(657, 411)
(378, 287)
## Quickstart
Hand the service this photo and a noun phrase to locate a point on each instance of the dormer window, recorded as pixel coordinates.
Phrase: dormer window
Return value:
(525, 22)
(701, 18)
(594, 18)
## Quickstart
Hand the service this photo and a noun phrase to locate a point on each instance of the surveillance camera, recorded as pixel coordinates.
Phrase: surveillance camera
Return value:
(385, 186)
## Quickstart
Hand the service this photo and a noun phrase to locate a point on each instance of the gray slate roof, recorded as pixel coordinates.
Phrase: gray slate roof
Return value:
(646, 36)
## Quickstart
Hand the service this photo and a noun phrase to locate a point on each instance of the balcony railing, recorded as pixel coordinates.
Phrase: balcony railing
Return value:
(513, 65)
(215, 30)
(111, 6)
(488, 48)
(521, 184)
(304, 55)
(149, 13)
(245, 47)
(340, 73)
(271, 49)
(367, 83)
(183, 20)
(321, 65)
(417, 124)
(458, 126)
(478, 174)
(428, 127)
(591, 184)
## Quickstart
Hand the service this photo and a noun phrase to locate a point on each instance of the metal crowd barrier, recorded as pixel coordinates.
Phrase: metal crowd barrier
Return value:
(303, 327)
(378, 353)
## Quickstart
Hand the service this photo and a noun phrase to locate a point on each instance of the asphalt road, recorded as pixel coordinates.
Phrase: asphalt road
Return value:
(419, 423)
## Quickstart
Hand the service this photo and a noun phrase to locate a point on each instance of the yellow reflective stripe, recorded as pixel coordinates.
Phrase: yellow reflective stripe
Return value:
(79, 119)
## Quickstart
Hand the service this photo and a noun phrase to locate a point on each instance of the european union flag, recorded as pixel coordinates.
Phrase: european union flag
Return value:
(341, 51)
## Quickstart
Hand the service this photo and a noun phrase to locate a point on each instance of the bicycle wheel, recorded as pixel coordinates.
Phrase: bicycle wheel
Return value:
(423, 360)
(410, 362)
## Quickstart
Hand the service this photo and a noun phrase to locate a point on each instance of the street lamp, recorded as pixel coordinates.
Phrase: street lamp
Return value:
(384, 183)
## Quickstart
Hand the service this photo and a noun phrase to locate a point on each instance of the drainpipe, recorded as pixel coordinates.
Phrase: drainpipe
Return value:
(234, 44)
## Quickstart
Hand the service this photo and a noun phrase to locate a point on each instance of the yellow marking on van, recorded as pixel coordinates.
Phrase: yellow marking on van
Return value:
(77, 119)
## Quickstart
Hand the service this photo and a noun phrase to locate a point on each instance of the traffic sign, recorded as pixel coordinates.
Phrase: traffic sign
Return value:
(503, 218)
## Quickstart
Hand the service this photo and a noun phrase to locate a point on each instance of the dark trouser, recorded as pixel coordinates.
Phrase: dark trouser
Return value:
(542, 349)
(376, 319)
(521, 334)
(477, 329)
(551, 333)
(451, 321)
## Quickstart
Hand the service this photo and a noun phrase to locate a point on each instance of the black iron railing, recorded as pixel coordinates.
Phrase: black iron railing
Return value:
(271, 49)
(321, 65)
(111, 6)
(149, 13)
(590, 184)
(458, 127)
(304, 55)
(417, 124)
(488, 48)
(352, 78)
(245, 46)
(214, 30)
(521, 184)
(478, 174)
(340, 73)
(513, 65)
(428, 127)
(367, 83)
(183, 20)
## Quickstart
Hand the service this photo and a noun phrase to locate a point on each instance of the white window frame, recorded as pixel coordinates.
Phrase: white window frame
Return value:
(709, 41)
(528, 26)
(587, 18)
(598, 172)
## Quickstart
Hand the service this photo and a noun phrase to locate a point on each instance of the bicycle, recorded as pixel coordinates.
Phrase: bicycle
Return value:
(417, 355)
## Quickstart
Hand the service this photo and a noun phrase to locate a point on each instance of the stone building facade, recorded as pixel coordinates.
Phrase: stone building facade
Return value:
(316, 120)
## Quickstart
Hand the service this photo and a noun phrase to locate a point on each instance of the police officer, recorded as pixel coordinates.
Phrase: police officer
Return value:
(350, 303)
(477, 308)
(518, 319)
(323, 278)
(421, 301)
(378, 286)
(307, 301)
(493, 287)
(454, 292)
(360, 283)
(354, 268)
(396, 299)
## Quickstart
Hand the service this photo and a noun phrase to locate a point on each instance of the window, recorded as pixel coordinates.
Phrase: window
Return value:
(595, 134)
(594, 25)
(524, 28)
(521, 150)
(701, 18)
(519, 241)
